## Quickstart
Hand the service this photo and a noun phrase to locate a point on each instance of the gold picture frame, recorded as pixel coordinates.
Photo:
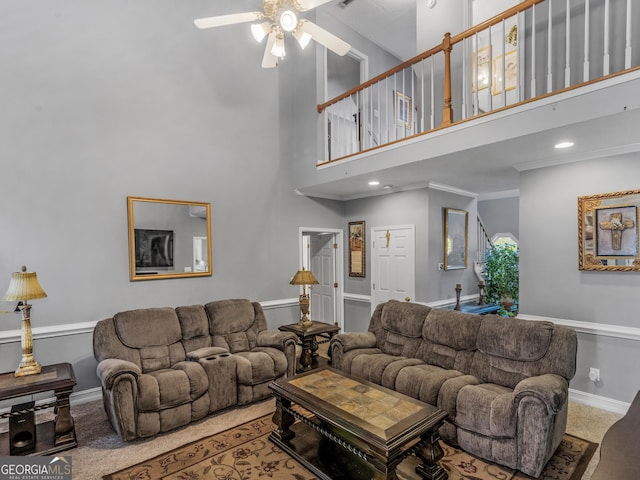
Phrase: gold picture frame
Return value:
(608, 231)
(480, 69)
(456, 230)
(510, 72)
(357, 249)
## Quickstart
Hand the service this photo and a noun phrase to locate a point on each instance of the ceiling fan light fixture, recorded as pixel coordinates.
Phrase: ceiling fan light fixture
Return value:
(278, 47)
(260, 30)
(288, 21)
(303, 38)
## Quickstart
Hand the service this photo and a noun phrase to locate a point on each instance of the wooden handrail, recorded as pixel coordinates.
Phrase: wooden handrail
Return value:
(380, 77)
(447, 42)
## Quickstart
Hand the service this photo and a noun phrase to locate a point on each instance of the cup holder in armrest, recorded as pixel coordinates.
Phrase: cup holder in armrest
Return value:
(215, 357)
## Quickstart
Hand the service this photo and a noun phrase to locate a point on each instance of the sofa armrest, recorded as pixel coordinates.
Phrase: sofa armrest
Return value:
(110, 369)
(353, 340)
(551, 389)
(200, 353)
(276, 339)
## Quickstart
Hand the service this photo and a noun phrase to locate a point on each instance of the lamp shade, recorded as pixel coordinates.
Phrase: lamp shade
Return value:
(303, 277)
(24, 286)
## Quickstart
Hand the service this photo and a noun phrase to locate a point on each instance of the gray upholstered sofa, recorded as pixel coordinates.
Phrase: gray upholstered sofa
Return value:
(161, 368)
(503, 381)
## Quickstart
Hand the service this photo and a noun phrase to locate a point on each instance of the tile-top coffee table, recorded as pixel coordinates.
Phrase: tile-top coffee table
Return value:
(349, 428)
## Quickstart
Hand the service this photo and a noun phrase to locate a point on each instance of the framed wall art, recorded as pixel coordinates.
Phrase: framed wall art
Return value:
(505, 75)
(357, 249)
(403, 110)
(456, 227)
(608, 231)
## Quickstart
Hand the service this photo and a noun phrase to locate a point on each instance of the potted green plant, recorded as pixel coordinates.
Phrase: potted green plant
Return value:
(501, 276)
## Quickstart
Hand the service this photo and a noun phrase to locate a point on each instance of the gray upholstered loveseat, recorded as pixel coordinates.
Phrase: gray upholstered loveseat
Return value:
(503, 381)
(161, 368)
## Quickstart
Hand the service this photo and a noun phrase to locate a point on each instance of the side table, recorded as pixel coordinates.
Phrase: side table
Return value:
(53, 436)
(307, 337)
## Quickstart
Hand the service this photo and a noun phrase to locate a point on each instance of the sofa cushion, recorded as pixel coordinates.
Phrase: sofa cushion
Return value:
(163, 389)
(234, 324)
(380, 368)
(148, 327)
(487, 409)
(400, 331)
(254, 367)
(513, 338)
(423, 382)
(449, 339)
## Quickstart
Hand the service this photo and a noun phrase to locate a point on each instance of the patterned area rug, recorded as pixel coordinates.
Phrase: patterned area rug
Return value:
(245, 453)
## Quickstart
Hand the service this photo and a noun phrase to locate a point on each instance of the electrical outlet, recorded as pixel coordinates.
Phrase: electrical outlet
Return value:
(594, 375)
(441, 267)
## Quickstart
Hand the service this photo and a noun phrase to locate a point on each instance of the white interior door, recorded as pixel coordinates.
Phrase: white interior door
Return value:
(321, 253)
(322, 260)
(392, 264)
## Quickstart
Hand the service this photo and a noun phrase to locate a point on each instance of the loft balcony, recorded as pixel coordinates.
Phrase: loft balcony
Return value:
(459, 116)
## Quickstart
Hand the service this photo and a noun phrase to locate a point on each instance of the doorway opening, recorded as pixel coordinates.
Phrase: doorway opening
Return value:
(321, 254)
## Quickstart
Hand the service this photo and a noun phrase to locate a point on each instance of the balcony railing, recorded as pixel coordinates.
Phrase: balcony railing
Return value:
(536, 49)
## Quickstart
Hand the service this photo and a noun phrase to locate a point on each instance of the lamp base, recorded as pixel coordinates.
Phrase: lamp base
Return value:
(305, 323)
(28, 366)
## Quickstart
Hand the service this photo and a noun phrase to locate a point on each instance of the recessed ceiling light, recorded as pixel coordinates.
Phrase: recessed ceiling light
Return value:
(564, 145)
(388, 186)
(373, 183)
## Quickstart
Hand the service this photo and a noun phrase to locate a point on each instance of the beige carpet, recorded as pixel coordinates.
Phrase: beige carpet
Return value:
(245, 452)
(101, 452)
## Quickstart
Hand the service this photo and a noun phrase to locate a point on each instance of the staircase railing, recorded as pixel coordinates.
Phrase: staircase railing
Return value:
(484, 245)
(535, 49)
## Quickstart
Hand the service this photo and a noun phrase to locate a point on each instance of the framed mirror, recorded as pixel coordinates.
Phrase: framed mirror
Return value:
(168, 238)
(456, 227)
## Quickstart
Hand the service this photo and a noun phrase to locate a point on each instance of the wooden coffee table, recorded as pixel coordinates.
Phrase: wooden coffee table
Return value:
(349, 428)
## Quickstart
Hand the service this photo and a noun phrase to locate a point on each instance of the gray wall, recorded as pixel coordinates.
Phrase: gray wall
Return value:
(424, 208)
(500, 215)
(107, 99)
(550, 282)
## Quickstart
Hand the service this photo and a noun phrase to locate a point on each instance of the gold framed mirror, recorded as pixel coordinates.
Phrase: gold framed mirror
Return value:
(168, 238)
(456, 224)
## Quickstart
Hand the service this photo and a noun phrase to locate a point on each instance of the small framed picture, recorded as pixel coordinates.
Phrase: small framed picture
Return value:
(403, 110)
(357, 249)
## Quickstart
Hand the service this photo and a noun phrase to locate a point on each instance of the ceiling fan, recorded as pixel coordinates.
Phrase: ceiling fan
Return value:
(281, 16)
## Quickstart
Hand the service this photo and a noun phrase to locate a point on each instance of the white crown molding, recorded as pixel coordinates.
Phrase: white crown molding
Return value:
(448, 188)
(499, 195)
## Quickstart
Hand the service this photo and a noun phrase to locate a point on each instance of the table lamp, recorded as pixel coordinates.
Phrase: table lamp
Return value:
(304, 277)
(24, 286)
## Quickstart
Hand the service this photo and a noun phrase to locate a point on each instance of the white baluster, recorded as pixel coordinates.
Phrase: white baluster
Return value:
(533, 52)
(550, 49)
(567, 65)
(587, 12)
(627, 49)
(605, 59)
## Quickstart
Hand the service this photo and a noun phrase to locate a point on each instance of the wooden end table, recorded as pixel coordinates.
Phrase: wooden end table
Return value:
(53, 436)
(307, 337)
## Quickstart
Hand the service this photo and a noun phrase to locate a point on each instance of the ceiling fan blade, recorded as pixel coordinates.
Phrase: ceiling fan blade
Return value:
(309, 4)
(325, 38)
(222, 20)
(269, 60)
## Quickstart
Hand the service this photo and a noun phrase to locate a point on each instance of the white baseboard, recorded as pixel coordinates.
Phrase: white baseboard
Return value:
(597, 401)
